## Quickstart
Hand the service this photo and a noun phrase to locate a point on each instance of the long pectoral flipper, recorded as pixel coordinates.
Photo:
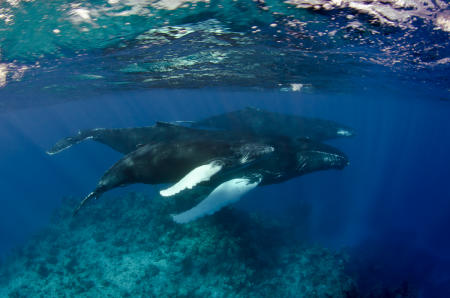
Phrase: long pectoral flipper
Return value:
(226, 193)
(70, 141)
(194, 177)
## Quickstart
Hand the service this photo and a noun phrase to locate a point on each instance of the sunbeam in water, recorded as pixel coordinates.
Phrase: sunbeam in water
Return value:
(220, 148)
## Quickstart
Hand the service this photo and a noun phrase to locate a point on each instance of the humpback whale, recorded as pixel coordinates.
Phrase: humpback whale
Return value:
(126, 140)
(249, 121)
(230, 167)
(288, 160)
(264, 123)
(233, 153)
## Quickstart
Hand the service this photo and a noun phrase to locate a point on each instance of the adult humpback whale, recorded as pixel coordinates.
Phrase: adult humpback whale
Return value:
(231, 167)
(250, 121)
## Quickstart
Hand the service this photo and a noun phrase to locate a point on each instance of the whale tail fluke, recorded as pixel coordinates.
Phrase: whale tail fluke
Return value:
(92, 195)
(70, 141)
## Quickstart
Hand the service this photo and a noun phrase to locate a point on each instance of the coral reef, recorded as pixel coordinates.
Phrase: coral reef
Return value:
(128, 246)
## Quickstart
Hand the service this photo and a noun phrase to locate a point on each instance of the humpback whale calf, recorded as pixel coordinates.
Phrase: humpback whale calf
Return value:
(250, 121)
(264, 123)
(230, 167)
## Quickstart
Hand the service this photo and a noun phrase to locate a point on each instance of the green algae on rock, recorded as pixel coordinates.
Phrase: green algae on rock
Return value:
(129, 246)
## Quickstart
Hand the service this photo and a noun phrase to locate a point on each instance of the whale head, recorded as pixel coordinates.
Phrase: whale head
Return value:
(313, 156)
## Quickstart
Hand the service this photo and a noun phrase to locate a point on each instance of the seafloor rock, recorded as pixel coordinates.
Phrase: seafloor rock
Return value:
(129, 247)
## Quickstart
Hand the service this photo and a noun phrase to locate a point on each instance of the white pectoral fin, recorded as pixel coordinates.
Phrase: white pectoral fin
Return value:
(226, 193)
(194, 177)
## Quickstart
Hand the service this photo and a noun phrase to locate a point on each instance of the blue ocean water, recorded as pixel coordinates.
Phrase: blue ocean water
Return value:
(380, 68)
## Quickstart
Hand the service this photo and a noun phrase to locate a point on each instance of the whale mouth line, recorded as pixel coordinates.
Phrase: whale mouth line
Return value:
(329, 154)
(334, 159)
